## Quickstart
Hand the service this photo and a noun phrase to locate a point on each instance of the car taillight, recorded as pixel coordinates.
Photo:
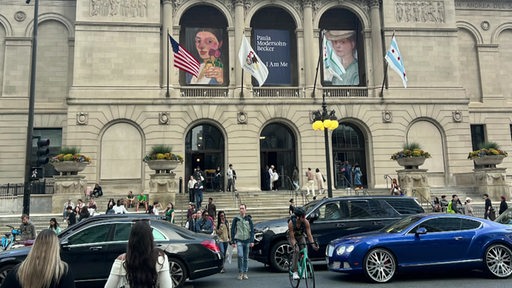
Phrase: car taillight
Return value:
(211, 245)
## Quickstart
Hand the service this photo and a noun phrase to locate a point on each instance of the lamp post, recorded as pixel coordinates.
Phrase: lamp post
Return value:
(326, 120)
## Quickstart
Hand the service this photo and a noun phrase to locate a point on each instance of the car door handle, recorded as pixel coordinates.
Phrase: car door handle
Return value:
(340, 225)
(96, 248)
(458, 238)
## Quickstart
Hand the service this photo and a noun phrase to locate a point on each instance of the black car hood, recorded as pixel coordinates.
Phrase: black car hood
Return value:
(276, 225)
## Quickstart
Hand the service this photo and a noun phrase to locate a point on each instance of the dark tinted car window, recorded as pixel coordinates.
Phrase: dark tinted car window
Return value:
(440, 225)
(358, 209)
(404, 206)
(381, 208)
(467, 224)
(94, 234)
(122, 232)
(329, 211)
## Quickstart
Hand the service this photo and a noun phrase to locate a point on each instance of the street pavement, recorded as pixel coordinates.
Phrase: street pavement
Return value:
(261, 277)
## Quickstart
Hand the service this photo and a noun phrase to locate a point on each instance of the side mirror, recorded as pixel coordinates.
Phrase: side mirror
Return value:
(313, 216)
(421, 231)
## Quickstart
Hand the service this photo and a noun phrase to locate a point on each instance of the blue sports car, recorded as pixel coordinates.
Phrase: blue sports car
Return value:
(423, 241)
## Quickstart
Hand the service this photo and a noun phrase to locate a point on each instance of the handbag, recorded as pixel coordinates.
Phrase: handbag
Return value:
(229, 254)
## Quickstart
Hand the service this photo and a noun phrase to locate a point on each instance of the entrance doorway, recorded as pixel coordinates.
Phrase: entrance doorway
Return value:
(348, 147)
(204, 148)
(277, 147)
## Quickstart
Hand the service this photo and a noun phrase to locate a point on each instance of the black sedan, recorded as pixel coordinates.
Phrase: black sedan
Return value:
(91, 246)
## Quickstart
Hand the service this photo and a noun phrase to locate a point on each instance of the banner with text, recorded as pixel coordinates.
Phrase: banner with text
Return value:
(273, 47)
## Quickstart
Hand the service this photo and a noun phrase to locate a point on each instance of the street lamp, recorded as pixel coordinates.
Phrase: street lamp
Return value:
(325, 120)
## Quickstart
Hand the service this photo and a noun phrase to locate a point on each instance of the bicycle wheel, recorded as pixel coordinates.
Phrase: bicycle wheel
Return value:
(294, 282)
(309, 275)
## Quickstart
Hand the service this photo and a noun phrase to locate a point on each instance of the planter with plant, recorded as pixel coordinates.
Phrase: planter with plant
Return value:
(70, 161)
(161, 159)
(489, 155)
(411, 156)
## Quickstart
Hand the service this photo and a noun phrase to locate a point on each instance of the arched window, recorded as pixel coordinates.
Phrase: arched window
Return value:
(342, 41)
(204, 34)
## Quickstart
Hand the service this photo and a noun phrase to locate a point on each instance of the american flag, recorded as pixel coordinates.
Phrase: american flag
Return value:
(183, 60)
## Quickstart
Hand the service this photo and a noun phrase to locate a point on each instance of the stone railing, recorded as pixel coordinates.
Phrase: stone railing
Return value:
(207, 92)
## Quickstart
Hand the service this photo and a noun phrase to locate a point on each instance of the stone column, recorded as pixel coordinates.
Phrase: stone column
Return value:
(491, 181)
(166, 29)
(67, 187)
(310, 57)
(377, 51)
(162, 188)
(239, 33)
(414, 182)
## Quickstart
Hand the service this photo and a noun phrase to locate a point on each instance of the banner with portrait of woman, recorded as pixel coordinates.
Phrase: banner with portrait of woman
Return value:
(209, 47)
(340, 60)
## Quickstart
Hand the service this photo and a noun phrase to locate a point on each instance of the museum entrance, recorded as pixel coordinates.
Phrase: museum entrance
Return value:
(277, 147)
(348, 149)
(204, 148)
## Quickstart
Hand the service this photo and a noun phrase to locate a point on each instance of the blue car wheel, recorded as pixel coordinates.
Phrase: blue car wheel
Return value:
(498, 261)
(379, 265)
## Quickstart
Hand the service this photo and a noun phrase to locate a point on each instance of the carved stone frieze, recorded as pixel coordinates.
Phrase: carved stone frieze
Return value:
(20, 16)
(419, 11)
(125, 8)
(483, 4)
(82, 118)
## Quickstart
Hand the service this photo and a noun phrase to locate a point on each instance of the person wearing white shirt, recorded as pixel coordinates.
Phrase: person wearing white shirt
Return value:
(119, 208)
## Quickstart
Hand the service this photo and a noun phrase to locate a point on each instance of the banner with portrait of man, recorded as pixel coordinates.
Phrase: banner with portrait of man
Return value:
(208, 46)
(340, 60)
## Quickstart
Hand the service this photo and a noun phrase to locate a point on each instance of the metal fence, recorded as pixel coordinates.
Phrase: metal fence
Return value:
(16, 189)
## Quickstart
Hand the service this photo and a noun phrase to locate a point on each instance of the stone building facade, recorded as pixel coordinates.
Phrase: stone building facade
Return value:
(103, 83)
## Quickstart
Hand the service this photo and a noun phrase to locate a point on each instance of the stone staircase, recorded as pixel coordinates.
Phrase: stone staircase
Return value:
(263, 205)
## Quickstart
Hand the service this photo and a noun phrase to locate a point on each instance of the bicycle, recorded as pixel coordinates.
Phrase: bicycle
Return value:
(304, 268)
(9, 239)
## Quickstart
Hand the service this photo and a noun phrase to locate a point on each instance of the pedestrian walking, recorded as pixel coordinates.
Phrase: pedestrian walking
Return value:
(242, 235)
(231, 179)
(487, 207)
(311, 181)
(222, 231)
(503, 205)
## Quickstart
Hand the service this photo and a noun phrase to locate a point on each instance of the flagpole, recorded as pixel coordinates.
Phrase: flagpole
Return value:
(318, 64)
(384, 79)
(167, 93)
(385, 72)
(242, 85)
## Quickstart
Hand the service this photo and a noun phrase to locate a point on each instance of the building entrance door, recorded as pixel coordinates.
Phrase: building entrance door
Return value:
(348, 147)
(277, 147)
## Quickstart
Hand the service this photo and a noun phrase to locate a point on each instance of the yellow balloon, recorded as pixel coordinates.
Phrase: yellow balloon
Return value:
(327, 123)
(335, 124)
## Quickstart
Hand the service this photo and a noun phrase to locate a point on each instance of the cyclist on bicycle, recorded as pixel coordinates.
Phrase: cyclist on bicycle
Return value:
(298, 228)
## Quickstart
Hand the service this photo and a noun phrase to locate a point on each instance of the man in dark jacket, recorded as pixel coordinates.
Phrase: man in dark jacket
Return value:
(27, 229)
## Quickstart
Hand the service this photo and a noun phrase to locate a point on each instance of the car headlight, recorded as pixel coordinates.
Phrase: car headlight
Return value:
(342, 249)
(258, 234)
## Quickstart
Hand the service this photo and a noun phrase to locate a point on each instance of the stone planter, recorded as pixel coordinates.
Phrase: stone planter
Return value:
(411, 162)
(489, 161)
(69, 167)
(163, 166)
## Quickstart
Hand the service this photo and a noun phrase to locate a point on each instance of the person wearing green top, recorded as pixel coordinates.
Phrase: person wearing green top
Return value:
(142, 200)
(169, 213)
(54, 226)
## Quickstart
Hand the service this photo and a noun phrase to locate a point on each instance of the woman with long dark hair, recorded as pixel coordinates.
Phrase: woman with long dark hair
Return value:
(222, 231)
(143, 265)
(43, 267)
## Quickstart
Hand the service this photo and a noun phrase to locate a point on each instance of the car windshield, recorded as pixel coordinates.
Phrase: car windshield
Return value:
(309, 207)
(505, 217)
(402, 224)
